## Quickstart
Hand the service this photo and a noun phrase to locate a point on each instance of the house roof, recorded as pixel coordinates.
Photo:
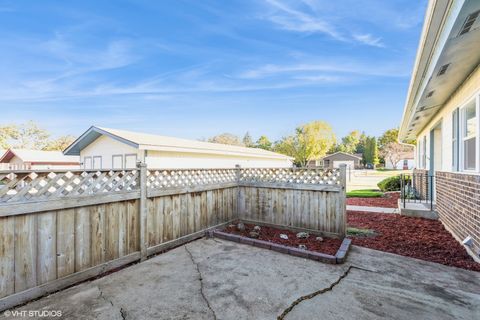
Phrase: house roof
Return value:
(447, 54)
(38, 156)
(359, 157)
(145, 141)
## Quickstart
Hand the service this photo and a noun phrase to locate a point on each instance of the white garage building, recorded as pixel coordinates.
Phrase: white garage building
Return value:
(102, 148)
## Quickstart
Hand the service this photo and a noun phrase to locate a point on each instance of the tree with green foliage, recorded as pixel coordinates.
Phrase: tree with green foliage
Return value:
(23, 136)
(387, 137)
(247, 140)
(263, 143)
(310, 141)
(59, 144)
(350, 142)
(7, 134)
(371, 151)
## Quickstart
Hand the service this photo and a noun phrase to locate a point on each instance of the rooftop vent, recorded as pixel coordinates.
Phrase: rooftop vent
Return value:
(430, 93)
(443, 69)
(469, 22)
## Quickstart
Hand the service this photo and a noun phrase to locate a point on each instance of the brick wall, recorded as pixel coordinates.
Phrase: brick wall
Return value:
(420, 183)
(458, 204)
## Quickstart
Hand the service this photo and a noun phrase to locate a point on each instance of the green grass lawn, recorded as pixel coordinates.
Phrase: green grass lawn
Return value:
(365, 193)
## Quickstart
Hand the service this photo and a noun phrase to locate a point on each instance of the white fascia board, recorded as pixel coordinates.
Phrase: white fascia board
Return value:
(453, 14)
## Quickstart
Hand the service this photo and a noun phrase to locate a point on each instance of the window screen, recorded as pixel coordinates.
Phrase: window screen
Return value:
(469, 136)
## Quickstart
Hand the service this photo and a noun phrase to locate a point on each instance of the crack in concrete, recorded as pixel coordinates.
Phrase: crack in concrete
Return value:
(201, 282)
(104, 298)
(123, 312)
(318, 292)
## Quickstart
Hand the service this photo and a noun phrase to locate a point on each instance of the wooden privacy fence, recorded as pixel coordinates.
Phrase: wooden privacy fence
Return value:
(58, 228)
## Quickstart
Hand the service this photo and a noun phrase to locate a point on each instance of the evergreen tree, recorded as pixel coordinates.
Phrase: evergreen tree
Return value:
(247, 140)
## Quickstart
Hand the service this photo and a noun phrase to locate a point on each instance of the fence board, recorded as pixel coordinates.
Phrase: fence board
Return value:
(25, 252)
(7, 255)
(47, 247)
(82, 238)
(316, 210)
(98, 234)
(111, 231)
(133, 225)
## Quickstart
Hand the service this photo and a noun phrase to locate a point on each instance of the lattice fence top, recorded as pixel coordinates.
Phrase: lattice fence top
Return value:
(291, 176)
(162, 179)
(24, 186)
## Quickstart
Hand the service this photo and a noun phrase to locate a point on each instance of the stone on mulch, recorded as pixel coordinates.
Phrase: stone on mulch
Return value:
(303, 235)
(275, 235)
(241, 226)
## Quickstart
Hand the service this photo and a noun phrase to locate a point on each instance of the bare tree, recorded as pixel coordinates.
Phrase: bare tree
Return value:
(394, 152)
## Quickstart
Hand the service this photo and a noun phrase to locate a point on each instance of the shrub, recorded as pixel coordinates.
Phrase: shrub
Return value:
(390, 184)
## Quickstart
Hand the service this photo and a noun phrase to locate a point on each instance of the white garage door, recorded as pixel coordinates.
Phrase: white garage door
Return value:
(350, 164)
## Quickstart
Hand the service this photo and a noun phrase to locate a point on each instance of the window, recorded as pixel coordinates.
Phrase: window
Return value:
(424, 151)
(87, 163)
(117, 161)
(469, 136)
(130, 161)
(455, 144)
(419, 153)
(97, 162)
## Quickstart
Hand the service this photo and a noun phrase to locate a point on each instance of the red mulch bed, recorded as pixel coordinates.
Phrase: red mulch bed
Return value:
(389, 200)
(412, 237)
(327, 246)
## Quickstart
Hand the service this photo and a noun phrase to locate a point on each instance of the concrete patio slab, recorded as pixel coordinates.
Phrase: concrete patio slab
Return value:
(217, 279)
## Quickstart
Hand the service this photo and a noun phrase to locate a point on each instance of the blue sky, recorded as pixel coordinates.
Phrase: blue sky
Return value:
(197, 68)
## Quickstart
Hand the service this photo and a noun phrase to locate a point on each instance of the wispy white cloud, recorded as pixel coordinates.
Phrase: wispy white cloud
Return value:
(333, 67)
(296, 20)
(309, 19)
(369, 39)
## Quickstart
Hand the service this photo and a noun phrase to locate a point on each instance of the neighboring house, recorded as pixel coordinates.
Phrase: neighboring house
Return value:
(24, 159)
(336, 159)
(406, 162)
(442, 114)
(102, 148)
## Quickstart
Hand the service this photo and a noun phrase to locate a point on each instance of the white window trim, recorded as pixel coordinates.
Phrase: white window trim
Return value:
(424, 151)
(85, 163)
(131, 155)
(122, 166)
(93, 162)
(462, 139)
(455, 137)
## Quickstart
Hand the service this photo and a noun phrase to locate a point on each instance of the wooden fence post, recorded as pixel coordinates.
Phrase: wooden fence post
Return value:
(343, 176)
(343, 197)
(238, 173)
(143, 210)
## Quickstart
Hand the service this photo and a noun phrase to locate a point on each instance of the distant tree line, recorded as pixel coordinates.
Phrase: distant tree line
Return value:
(316, 139)
(30, 136)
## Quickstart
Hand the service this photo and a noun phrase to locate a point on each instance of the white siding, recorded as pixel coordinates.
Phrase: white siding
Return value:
(158, 159)
(107, 148)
